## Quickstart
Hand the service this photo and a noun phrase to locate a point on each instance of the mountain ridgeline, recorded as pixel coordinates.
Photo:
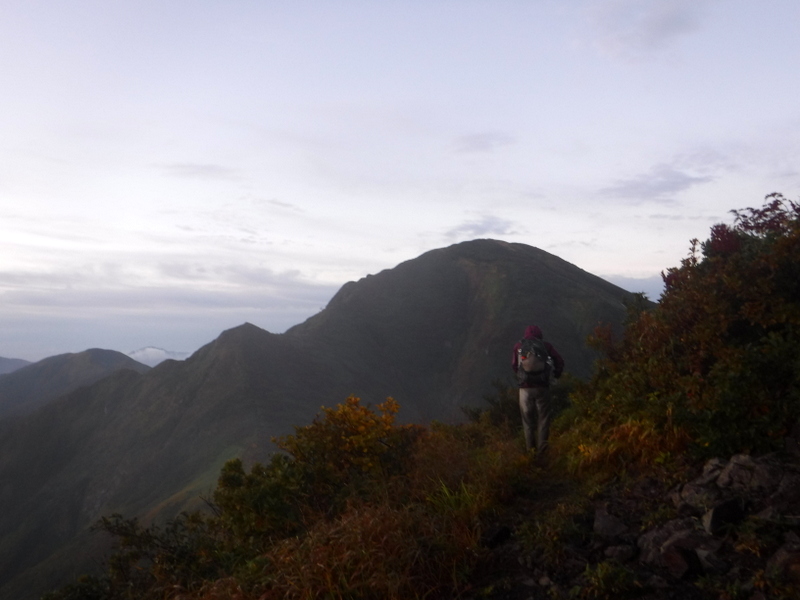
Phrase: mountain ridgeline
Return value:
(9, 365)
(432, 332)
(33, 385)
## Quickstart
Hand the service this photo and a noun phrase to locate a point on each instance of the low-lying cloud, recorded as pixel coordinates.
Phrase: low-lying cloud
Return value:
(482, 227)
(652, 287)
(40, 323)
(661, 184)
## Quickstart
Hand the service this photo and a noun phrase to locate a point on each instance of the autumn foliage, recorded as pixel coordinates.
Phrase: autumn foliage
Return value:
(714, 368)
(356, 506)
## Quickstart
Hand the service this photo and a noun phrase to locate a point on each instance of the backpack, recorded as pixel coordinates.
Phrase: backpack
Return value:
(534, 362)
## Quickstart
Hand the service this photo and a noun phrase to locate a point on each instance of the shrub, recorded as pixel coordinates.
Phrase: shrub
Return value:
(489, 461)
(373, 551)
(715, 366)
(153, 563)
(348, 451)
(354, 506)
(258, 507)
(608, 580)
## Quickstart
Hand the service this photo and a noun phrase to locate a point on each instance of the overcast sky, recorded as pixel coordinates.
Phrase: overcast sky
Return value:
(173, 168)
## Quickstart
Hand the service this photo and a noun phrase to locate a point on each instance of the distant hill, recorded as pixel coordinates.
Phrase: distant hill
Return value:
(26, 389)
(9, 365)
(152, 356)
(432, 332)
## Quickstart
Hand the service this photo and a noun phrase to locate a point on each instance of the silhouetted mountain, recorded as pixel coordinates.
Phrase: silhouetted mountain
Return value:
(9, 365)
(432, 332)
(435, 330)
(32, 386)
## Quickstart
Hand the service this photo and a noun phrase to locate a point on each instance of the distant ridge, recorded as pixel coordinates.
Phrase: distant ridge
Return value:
(432, 332)
(9, 365)
(34, 385)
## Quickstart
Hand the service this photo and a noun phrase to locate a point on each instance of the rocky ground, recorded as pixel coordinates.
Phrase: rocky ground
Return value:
(730, 529)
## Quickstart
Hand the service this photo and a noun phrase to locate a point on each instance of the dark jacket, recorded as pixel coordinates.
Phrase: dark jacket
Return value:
(532, 331)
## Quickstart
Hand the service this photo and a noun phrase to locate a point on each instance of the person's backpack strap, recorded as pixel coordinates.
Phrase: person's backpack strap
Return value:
(534, 364)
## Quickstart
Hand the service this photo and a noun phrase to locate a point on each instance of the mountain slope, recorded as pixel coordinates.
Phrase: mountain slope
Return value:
(435, 330)
(28, 388)
(9, 365)
(432, 332)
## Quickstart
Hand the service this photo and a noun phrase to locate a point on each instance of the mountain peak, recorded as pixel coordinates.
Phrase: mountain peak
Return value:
(34, 385)
(242, 334)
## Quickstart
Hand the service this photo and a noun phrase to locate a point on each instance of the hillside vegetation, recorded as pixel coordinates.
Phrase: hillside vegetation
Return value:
(359, 506)
(715, 368)
(432, 332)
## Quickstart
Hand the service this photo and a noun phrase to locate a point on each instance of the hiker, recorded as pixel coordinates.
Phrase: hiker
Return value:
(535, 362)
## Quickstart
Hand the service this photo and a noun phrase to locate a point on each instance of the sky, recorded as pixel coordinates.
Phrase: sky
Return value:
(171, 169)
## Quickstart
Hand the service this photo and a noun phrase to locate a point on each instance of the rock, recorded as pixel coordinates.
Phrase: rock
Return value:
(786, 562)
(738, 473)
(657, 582)
(607, 525)
(744, 473)
(679, 556)
(767, 476)
(788, 492)
(711, 471)
(712, 564)
(674, 496)
(622, 553)
(650, 542)
(700, 496)
(768, 514)
(723, 515)
(682, 563)
(793, 441)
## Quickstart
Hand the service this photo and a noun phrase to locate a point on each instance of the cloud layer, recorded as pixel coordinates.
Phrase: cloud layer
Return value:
(162, 177)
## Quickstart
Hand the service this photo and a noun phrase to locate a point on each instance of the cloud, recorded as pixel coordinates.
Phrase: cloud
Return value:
(485, 226)
(483, 142)
(34, 336)
(41, 320)
(660, 185)
(682, 217)
(199, 171)
(628, 28)
(653, 286)
(582, 244)
(285, 207)
(228, 275)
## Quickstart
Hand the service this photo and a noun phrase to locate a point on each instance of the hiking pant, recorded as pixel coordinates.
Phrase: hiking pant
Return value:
(535, 399)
